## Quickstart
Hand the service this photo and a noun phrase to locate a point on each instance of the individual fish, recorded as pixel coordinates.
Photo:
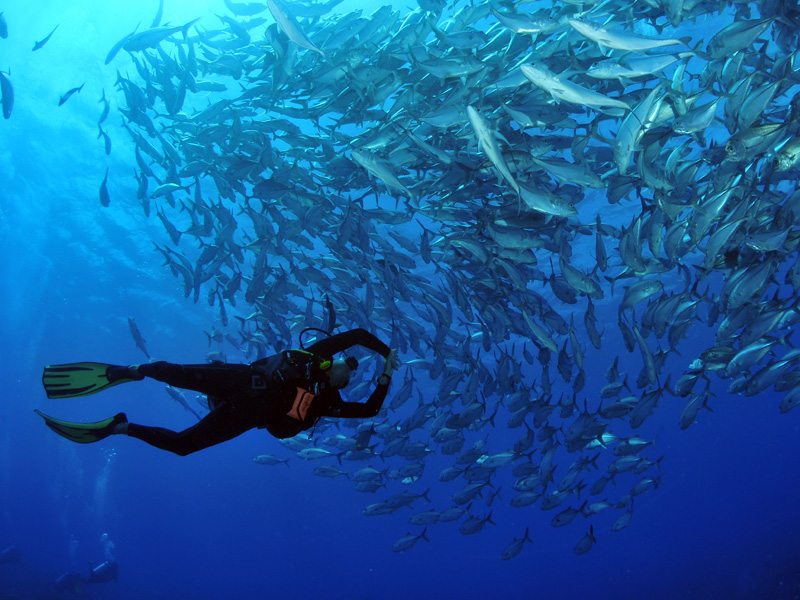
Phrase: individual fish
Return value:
(788, 155)
(328, 471)
(649, 369)
(474, 525)
(561, 89)
(580, 281)
(408, 541)
(621, 40)
(450, 68)
(166, 189)
(137, 336)
(736, 36)
(638, 292)
(367, 474)
(622, 521)
(245, 9)
(586, 542)
(525, 24)
(3, 26)
(772, 374)
(790, 400)
(750, 355)
(428, 517)
(569, 172)
(317, 454)
(630, 446)
(634, 126)
(644, 485)
(515, 547)
(7, 92)
(693, 406)
(380, 169)
(468, 493)
(745, 145)
(67, 95)
(488, 144)
(379, 508)
(290, 27)
(600, 485)
(546, 202)
(118, 46)
(180, 398)
(106, 140)
(159, 14)
(596, 508)
(566, 516)
(754, 103)
(464, 39)
(698, 119)
(633, 67)
(428, 148)
(38, 45)
(105, 198)
(106, 108)
(647, 403)
(150, 38)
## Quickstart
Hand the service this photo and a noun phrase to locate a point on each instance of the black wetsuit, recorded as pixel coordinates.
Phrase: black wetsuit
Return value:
(258, 395)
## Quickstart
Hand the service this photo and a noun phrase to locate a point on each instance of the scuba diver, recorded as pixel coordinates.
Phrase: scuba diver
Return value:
(285, 394)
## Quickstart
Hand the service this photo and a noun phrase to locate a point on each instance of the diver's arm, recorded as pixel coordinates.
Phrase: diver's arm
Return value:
(359, 410)
(342, 341)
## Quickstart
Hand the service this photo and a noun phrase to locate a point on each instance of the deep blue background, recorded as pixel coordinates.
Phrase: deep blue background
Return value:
(723, 524)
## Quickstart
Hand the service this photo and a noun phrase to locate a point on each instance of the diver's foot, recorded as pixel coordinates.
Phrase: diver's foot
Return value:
(119, 425)
(114, 373)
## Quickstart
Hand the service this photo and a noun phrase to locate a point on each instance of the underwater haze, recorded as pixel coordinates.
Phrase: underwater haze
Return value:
(577, 222)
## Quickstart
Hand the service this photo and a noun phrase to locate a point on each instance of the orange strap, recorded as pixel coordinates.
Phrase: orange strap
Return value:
(302, 401)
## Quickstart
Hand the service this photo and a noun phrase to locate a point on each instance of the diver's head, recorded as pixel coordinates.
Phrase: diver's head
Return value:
(341, 370)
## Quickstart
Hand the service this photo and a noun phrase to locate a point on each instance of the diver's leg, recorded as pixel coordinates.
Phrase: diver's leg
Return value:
(215, 379)
(220, 425)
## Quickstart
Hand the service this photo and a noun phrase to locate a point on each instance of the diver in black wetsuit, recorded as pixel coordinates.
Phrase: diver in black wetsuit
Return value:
(285, 394)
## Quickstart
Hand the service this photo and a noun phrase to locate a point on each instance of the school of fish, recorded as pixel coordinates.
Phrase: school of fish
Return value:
(506, 192)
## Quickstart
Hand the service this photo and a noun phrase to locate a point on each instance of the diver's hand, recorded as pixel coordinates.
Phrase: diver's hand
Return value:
(390, 363)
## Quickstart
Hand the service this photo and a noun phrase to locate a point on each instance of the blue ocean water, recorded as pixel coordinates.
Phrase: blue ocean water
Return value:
(723, 522)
